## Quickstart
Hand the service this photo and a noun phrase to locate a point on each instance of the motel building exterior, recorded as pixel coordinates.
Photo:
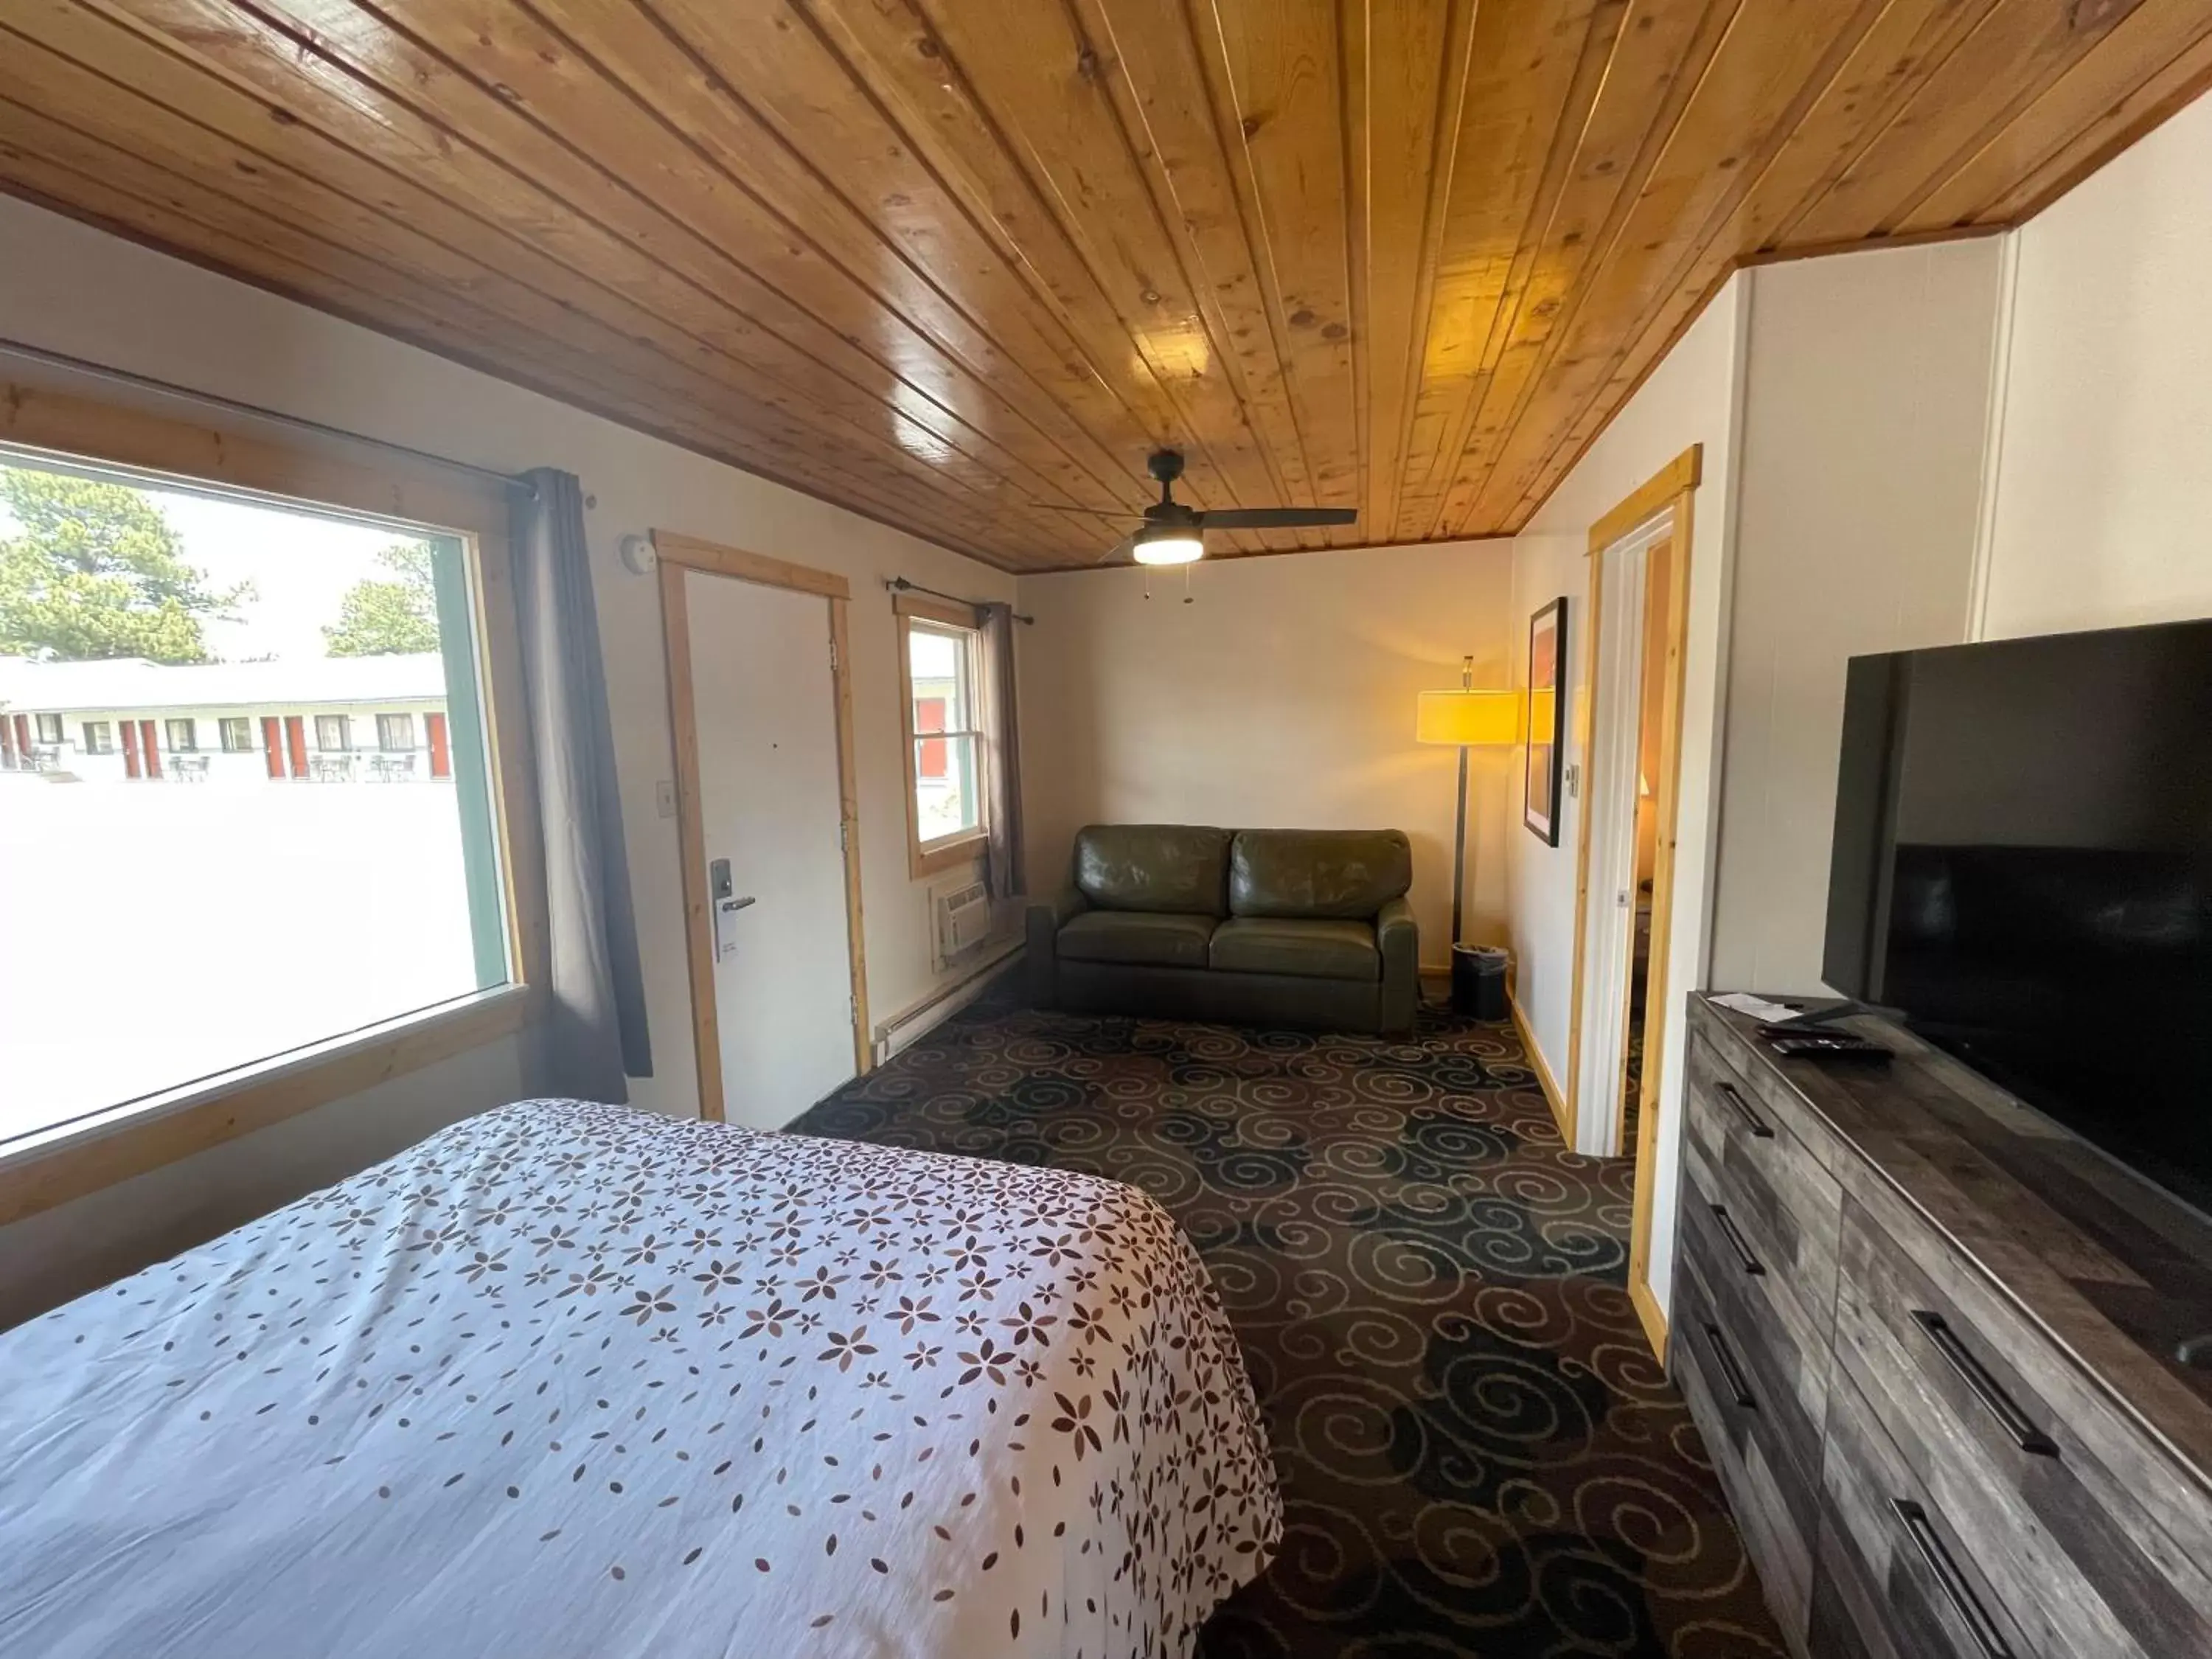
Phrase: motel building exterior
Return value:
(320, 720)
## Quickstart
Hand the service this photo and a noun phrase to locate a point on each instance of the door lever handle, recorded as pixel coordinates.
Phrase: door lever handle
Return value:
(725, 915)
(727, 906)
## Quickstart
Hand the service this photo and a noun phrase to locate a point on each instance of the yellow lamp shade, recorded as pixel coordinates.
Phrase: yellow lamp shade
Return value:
(1468, 717)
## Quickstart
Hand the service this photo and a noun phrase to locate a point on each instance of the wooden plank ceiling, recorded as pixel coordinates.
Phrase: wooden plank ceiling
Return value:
(958, 264)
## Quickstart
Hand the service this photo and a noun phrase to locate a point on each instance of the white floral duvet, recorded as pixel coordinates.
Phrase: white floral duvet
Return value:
(574, 1379)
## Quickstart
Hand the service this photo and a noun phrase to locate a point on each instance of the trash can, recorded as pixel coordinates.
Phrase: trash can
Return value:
(1478, 980)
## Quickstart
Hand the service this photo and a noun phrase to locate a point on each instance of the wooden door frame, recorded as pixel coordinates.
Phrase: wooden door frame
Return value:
(676, 555)
(1670, 490)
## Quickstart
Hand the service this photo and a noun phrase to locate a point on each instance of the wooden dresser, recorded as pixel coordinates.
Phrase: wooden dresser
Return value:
(1931, 1342)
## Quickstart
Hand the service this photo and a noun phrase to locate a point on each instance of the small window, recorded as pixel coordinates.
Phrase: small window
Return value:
(50, 728)
(395, 732)
(939, 653)
(99, 737)
(184, 736)
(237, 734)
(333, 732)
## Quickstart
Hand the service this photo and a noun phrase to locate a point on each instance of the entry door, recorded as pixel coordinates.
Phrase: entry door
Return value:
(761, 693)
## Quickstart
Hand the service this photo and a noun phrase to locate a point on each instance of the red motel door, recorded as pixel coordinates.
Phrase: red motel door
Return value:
(272, 745)
(929, 716)
(129, 748)
(295, 739)
(441, 754)
(153, 749)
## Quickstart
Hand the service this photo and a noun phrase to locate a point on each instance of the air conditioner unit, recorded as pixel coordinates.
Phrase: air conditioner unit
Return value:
(963, 912)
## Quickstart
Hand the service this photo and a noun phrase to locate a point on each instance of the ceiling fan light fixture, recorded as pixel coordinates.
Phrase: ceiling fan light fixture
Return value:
(1174, 545)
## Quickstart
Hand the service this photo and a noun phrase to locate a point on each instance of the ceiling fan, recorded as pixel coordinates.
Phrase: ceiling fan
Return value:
(1170, 533)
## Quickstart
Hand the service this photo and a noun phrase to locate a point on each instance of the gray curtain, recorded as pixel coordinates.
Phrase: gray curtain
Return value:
(595, 1033)
(1002, 753)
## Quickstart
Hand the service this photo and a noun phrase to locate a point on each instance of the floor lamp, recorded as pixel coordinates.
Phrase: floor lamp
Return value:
(1464, 718)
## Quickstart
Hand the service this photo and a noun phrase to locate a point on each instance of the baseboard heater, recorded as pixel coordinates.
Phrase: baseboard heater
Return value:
(910, 1024)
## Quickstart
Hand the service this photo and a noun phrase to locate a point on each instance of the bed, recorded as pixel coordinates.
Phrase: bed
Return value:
(568, 1379)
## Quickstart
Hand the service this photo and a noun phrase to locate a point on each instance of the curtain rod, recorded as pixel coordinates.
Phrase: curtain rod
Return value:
(255, 411)
(901, 585)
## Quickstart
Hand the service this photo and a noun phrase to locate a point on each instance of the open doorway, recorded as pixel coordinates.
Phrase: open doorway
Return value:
(1650, 714)
(1627, 662)
(1631, 724)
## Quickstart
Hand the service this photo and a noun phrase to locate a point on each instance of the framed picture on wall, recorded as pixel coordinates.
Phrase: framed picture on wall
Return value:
(1548, 711)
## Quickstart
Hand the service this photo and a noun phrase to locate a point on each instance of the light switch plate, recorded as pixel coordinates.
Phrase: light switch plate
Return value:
(664, 798)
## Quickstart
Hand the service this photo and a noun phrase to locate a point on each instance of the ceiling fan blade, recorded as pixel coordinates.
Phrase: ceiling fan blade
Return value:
(1119, 549)
(1278, 518)
(1092, 512)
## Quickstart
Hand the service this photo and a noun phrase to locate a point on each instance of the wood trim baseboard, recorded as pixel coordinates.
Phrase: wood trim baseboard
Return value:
(1537, 1064)
(1641, 1297)
(74, 1161)
(1653, 1316)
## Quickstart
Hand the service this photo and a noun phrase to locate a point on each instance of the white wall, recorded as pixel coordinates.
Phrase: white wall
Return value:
(1283, 694)
(1866, 406)
(70, 288)
(2103, 508)
(1693, 397)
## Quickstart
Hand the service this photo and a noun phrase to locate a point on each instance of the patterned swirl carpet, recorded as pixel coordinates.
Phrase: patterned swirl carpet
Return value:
(1478, 1454)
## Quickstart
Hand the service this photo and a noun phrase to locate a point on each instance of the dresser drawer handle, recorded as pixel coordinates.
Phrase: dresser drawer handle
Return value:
(1985, 1387)
(1956, 1590)
(1731, 1372)
(1735, 1237)
(1759, 1127)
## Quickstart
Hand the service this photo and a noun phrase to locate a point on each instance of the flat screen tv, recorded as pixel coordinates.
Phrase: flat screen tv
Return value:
(2022, 864)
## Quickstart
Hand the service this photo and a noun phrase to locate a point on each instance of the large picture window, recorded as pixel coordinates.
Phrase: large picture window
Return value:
(938, 662)
(316, 905)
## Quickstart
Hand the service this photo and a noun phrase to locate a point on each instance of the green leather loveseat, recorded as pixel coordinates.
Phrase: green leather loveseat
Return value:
(1304, 928)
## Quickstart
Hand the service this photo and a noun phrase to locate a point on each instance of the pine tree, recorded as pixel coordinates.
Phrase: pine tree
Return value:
(96, 570)
(380, 618)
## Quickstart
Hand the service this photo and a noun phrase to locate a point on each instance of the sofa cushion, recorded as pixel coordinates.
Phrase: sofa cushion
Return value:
(1177, 868)
(1137, 936)
(1298, 949)
(1345, 874)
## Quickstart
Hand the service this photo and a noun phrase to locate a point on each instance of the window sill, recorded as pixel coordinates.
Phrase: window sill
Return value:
(53, 1166)
(936, 857)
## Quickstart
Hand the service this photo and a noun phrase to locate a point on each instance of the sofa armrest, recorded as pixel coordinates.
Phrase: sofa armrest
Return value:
(1400, 940)
(1046, 918)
